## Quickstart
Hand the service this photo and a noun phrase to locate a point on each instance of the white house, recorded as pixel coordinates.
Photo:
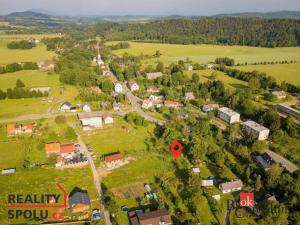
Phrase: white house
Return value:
(231, 186)
(90, 120)
(118, 87)
(86, 107)
(228, 115)
(133, 86)
(280, 94)
(114, 160)
(147, 104)
(66, 106)
(108, 119)
(256, 130)
(154, 75)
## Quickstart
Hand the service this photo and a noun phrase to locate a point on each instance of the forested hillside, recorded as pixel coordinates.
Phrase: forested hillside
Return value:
(232, 31)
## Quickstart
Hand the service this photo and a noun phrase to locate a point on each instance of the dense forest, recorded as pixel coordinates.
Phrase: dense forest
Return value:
(231, 31)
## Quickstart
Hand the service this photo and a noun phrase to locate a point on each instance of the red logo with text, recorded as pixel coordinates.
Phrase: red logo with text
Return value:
(247, 199)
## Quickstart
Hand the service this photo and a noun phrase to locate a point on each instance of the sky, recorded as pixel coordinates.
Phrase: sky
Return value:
(148, 7)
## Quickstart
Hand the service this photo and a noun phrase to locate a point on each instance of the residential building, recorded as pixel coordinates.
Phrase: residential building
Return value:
(156, 99)
(256, 130)
(276, 158)
(288, 110)
(92, 120)
(116, 106)
(114, 160)
(189, 96)
(108, 119)
(66, 106)
(86, 107)
(133, 86)
(231, 186)
(228, 115)
(153, 89)
(210, 107)
(154, 75)
(147, 104)
(67, 150)
(118, 87)
(190, 68)
(157, 217)
(280, 94)
(46, 65)
(52, 148)
(264, 161)
(14, 129)
(41, 89)
(209, 66)
(79, 202)
(8, 171)
(196, 170)
(171, 104)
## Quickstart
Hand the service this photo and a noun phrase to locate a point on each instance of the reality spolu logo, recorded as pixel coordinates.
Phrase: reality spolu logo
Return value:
(36, 206)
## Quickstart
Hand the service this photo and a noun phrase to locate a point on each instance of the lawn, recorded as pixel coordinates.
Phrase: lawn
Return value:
(16, 107)
(281, 72)
(35, 54)
(207, 53)
(229, 82)
(120, 136)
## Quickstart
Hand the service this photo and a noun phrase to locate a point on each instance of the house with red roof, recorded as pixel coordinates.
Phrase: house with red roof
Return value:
(114, 160)
(67, 150)
(171, 104)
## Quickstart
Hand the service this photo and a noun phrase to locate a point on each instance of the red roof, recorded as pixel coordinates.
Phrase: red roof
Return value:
(114, 157)
(169, 102)
(67, 148)
(59, 158)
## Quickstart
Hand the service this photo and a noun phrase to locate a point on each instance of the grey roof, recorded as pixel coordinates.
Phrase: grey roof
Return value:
(79, 197)
(232, 184)
(228, 111)
(289, 166)
(67, 103)
(255, 126)
(89, 115)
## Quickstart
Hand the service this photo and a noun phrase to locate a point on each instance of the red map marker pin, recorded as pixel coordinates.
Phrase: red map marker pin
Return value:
(176, 149)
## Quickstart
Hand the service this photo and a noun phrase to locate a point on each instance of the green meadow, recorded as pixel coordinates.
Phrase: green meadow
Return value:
(208, 53)
(281, 72)
(31, 78)
(35, 54)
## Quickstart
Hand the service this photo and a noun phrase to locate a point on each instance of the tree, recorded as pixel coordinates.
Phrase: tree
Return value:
(258, 184)
(19, 84)
(157, 54)
(195, 78)
(160, 67)
(271, 119)
(107, 86)
(254, 83)
(290, 126)
(259, 147)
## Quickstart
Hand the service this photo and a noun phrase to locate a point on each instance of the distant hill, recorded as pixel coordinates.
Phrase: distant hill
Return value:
(27, 15)
(269, 15)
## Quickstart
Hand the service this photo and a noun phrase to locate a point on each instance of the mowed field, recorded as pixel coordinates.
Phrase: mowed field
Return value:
(281, 72)
(208, 53)
(35, 54)
(15, 107)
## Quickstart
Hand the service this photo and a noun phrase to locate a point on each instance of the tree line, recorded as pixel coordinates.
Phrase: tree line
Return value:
(14, 67)
(21, 45)
(229, 31)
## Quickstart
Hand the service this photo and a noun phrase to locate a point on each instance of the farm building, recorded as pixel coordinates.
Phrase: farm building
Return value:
(13, 129)
(90, 120)
(79, 202)
(41, 89)
(231, 186)
(154, 75)
(114, 160)
(228, 115)
(256, 130)
(288, 110)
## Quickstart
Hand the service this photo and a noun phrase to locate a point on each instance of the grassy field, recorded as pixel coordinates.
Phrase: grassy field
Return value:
(281, 72)
(207, 53)
(230, 82)
(120, 136)
(16, 107)
(35, 54)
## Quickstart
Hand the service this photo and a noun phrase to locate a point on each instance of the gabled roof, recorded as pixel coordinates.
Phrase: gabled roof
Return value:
(114, 157)
(79, 198)
(67, 104)
(155, 217)
(67, 148)
(52, 147)
(10, 128)
(232, 184)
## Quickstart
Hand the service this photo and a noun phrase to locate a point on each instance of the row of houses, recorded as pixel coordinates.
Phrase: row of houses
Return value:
(67, 106)
(254, 129)
(15, 129)
(94, 120)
